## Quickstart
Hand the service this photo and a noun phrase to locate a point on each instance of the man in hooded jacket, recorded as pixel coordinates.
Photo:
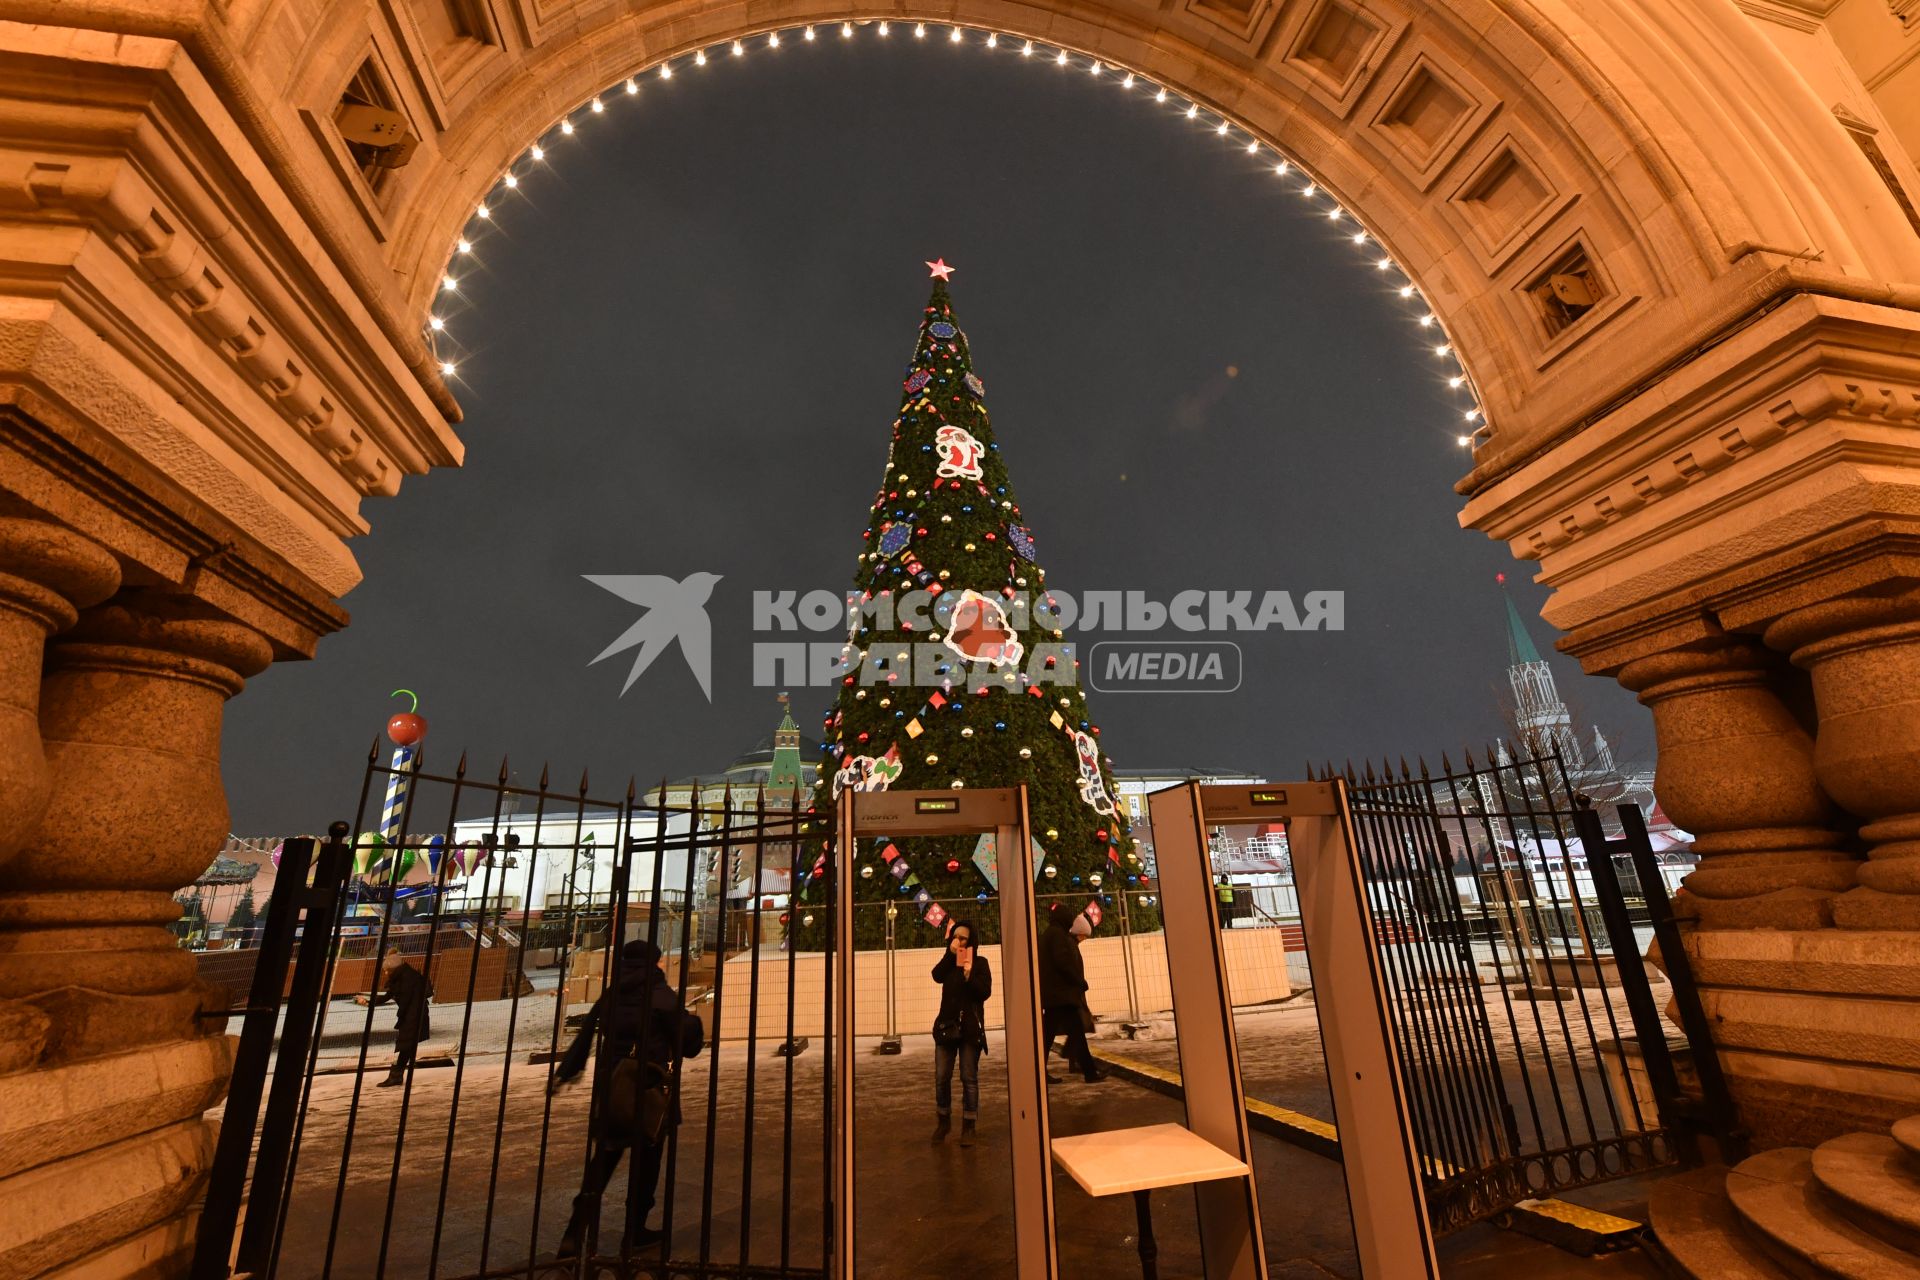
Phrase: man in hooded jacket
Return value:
(640, 1014)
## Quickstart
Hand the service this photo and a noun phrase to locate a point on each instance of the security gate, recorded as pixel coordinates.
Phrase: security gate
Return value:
(513, 903)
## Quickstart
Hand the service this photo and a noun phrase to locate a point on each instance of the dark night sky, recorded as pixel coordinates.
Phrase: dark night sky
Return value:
(681, 350)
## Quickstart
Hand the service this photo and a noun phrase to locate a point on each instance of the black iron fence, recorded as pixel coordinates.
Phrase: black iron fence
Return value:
(452, 1146)
(1512, 962)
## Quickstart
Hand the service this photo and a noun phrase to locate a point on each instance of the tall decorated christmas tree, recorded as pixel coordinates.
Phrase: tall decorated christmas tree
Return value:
(956, 674)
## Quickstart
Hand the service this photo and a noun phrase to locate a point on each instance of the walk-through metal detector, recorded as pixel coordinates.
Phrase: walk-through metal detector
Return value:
(1391, 1228)
(1003, 813)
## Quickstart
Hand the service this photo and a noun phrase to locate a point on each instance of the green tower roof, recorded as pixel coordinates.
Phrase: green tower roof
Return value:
(1520, 647)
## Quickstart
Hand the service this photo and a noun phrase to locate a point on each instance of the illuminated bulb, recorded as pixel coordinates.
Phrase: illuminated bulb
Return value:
(1192, 111)
(597, 106)
(1385, 264)
(1062, 59)
(1027, 52)
(449, 283)
(954, 35)
(1096, 67)
(566, 126)
(846, 31)
(883, 28)
(700, 58)
(738, 48)
(919, 30)
(632, 87)
(1128, 82)
(435, 323)
(1333, 214)
(511, 181)
(446, 368)
(993, 40)
(483, 212)
(1457, 381)
(1280, 170)
(1473, 413)
(809, 33)
(538, 153)
(1222, 130)
(1426, 321)
(1253, 148)
(1406, 291)
(1442, 349)
(465, 246)
(1310, 190)
(1463, 441)
(666, 71)
(1359, 237)
(1160, 96)
(773, 40)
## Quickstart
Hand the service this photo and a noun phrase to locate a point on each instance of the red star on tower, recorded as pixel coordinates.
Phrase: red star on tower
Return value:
(939, 269)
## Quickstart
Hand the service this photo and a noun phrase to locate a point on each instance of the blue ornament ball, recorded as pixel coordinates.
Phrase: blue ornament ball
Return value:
(1076, 879)
(1000, 724)
(980, 897)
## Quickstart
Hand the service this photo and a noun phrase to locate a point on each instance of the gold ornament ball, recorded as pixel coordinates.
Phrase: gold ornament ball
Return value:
(967, 732)
(807, 920)
(946, 519)
(1026, 753)
(886, 702)
(1052, 872)
(956, 784)
(969, 546)
(913, 493)
(1052, 834)
(903, 477)
(1066, 702)
(945, 574)
(1094, 879)
(866, 873)
(859, 694)
(932, 758)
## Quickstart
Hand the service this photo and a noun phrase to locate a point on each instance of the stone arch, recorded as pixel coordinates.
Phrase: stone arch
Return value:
(1483, 143)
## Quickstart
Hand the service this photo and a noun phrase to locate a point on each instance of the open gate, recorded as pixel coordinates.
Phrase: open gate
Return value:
(464, 1162)
(1494, 926)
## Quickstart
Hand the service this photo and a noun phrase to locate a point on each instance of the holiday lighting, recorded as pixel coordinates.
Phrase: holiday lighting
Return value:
(956, 34)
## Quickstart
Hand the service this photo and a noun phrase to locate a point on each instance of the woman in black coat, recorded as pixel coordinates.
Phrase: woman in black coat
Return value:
(960, 1032)
(412, 996)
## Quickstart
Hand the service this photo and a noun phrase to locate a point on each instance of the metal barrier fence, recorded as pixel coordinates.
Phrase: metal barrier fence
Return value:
(1509, 992)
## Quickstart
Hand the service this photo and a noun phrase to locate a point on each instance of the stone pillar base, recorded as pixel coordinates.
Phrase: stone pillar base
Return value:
(103, 1161)
(1818, 1031)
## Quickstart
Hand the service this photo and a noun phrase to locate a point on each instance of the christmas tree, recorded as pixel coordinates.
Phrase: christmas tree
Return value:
(956, 675)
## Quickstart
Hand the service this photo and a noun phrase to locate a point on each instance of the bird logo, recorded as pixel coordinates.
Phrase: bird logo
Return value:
(674, 611)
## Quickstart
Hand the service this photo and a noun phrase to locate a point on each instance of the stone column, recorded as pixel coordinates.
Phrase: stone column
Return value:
(104, 1147)
(1863, 653)
(47, 574)
(1736, 769)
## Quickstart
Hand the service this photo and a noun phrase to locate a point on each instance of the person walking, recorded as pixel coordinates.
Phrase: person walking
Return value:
(639, 1020)
(960, 1030)
(1063, 992)
(411, 995)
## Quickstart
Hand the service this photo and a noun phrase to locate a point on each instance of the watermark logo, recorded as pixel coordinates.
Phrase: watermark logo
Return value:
(1163, 666)
(674, 611)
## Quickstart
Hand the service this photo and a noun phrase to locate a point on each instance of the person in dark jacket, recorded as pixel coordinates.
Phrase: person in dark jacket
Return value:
(638, 1014)
(1063, 989)
(411, 995)
(960, 1030)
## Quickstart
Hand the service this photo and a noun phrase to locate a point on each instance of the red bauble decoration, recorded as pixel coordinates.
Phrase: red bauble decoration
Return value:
(1101, 834)
(953, 864)
(406, 729)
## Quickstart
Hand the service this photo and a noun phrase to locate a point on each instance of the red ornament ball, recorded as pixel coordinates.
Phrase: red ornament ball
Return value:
(953, 864)
(406, 729)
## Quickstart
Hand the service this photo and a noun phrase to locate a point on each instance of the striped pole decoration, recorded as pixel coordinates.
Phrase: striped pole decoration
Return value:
(399, 783)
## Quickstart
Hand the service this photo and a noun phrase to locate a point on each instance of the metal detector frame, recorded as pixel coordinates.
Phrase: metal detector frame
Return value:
(1392, 1231)
(1002, 812)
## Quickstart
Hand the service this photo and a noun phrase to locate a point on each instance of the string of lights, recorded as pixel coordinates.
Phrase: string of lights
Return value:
(1286, 171)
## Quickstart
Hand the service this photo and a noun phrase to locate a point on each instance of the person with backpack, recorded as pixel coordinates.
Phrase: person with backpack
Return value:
(644, 1032)
(960, 1030)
